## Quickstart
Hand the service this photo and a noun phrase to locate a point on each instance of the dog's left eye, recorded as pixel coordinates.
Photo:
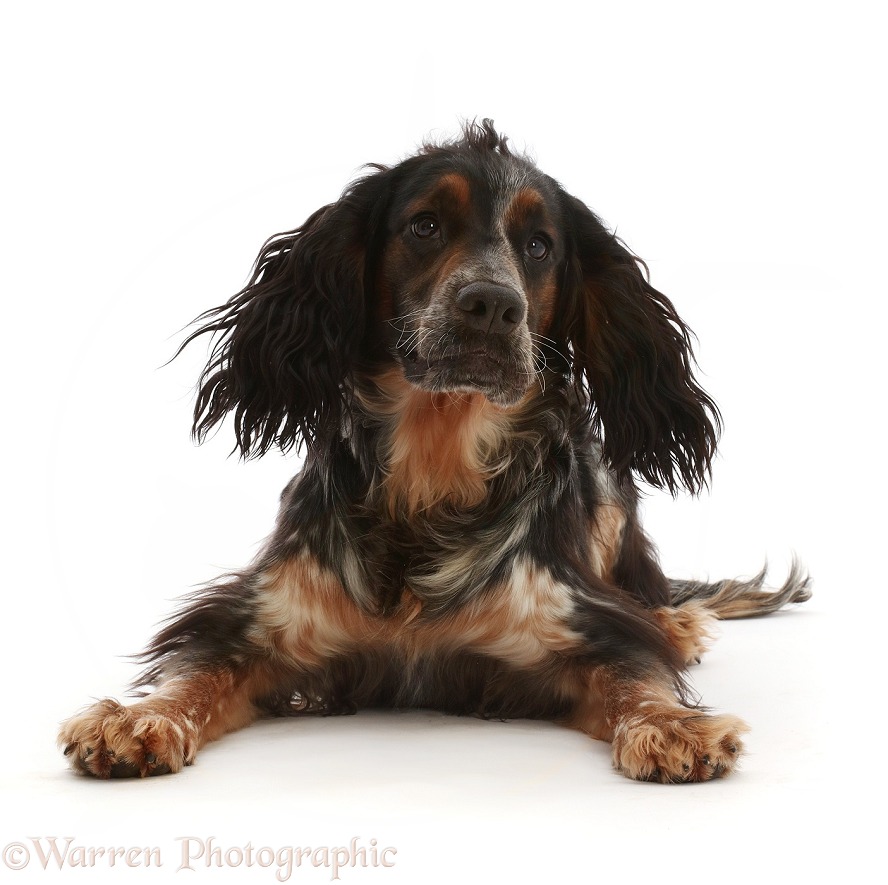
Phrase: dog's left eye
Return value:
(537, 247)
(425, 226)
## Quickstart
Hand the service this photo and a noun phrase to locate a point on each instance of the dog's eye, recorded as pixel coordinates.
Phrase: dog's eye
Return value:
(425, 226)
(537, 247)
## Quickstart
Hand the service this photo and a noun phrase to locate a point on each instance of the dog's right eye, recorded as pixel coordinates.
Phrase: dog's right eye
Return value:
(425, 226)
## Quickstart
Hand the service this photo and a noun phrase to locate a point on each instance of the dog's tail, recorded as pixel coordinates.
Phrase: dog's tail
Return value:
(744, 599)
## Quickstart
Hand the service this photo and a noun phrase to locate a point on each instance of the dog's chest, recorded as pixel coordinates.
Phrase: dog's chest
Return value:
(445, 561)
(523, 618)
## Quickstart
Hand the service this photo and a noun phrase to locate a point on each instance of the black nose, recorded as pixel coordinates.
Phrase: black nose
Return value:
(492, 308)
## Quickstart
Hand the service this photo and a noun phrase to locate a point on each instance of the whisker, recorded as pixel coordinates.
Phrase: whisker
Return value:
(401, 342)
(546, 343)
(402, 323)
(406, 316)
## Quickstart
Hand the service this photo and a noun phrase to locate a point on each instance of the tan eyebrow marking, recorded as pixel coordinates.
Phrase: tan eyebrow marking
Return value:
(525, 203)
(453, 188)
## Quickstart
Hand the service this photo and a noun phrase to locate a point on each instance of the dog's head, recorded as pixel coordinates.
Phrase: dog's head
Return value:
(471, 271)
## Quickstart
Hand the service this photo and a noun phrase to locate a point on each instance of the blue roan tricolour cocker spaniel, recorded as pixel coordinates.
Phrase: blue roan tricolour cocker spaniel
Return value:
(479, 371)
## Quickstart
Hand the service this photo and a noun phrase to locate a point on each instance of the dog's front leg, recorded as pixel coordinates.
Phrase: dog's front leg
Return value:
(654, 736)
(230, 654)
(163, 732)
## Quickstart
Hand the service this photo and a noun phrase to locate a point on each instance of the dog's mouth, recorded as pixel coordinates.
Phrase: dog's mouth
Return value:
(465, 358)
(496, 372)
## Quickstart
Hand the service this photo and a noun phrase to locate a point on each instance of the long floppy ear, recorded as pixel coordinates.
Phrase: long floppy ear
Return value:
(286, 344)
(633, 362)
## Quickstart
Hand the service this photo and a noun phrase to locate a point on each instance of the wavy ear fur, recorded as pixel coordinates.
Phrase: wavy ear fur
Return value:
(633, 362)
(288, 341)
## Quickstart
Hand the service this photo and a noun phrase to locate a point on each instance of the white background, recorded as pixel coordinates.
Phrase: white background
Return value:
(147, 153)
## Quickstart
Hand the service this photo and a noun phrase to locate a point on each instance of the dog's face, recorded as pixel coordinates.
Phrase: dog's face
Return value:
(474, 272)
(469, 276)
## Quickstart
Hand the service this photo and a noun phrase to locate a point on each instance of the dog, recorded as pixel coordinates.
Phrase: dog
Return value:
(480, 374)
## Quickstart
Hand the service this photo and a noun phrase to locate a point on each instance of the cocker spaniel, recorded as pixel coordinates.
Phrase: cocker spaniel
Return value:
(480, 373)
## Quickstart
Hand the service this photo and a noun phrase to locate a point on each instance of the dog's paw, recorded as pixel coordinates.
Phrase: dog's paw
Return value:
(689, 628)
(673, 745)
(110, 740)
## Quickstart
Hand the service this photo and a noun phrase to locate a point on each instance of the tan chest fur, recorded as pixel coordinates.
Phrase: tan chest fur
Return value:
(306, 616)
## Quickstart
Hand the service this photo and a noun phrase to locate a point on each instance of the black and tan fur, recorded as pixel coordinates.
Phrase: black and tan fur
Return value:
(479, 370)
